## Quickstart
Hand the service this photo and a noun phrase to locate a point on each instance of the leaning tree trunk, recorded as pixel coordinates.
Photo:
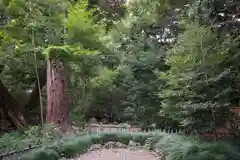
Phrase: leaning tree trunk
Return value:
(57, 98)
(11, 108)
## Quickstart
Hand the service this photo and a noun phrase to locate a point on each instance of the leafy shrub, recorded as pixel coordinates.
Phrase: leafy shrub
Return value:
(9, 142)
(179, 147)
(43, 153)
(175, 147)
(140, 137)
(34, 135)
(76, 145)
(49, 133)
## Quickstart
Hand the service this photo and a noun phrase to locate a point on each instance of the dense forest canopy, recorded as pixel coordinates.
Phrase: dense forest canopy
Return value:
(163, 62)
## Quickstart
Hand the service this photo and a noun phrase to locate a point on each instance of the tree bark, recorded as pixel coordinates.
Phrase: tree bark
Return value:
(57, 98)
(11, 108)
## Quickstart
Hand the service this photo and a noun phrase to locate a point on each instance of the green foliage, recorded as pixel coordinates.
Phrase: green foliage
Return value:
(56, 52)
(198, 75)
(78, 145)
(163, 62)
(79, 16)
(43, 153)
(34, 135)
(105, 79)
(173, 146)
(122, 62)
(10, 142)
(194, 149)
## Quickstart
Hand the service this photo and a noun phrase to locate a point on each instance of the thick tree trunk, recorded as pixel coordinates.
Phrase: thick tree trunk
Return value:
(10, 107)
(57, 98)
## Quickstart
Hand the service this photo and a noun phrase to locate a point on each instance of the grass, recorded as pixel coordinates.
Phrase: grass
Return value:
(175, 147)
(185, 148)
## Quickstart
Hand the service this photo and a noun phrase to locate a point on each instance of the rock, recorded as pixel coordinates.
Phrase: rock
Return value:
(120, 145)
(158, 151)
(104, 121)
(110, 144)
(133, 148)
(124, 125)
(93, 121)
(75, 129)
(159, 154)
(132, 144)
(95, 147)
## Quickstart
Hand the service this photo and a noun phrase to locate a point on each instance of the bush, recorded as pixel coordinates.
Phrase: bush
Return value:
(47, 153)
(76, 145)
(175, 147)
(9, 142)
(34, 135)
(186, 148)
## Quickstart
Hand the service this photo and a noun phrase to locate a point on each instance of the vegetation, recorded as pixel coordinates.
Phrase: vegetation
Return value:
(171, 144)
(162, 63)
(34, 136)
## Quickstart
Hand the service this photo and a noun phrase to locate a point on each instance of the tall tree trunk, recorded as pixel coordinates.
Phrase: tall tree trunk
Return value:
(11, 108)
(57, 98)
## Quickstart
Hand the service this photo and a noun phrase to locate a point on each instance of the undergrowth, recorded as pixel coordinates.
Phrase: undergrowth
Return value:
(174, 147)
(32, 136)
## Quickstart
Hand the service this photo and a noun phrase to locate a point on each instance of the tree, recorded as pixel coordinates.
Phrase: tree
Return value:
(57, 96)
(11, 108)
(57, 57)
(201, 81)
(138, 55)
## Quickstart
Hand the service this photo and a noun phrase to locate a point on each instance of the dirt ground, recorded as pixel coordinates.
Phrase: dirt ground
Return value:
(118, 154)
